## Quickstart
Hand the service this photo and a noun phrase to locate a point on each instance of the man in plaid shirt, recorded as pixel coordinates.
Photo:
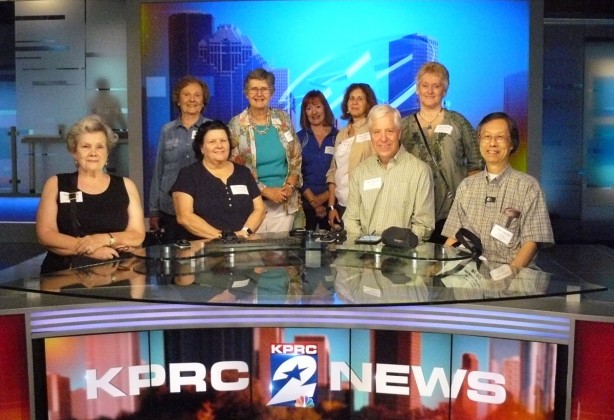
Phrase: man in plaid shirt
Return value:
(505, 208)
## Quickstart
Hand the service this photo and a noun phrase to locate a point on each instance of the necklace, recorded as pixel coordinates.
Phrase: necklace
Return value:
(267, 126)
(429, 127)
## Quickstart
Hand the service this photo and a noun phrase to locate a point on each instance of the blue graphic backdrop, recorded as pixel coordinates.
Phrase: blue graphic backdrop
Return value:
(327, 45)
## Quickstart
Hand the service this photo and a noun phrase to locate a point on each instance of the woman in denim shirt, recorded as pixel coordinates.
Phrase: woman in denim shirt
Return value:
(191, 96)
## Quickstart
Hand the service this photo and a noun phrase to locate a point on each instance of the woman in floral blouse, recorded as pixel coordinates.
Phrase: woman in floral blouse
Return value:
(442, 138)
(265, 141)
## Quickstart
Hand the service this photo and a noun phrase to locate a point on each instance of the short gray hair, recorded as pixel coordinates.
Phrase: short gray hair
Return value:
(379, 111)
(260, 74)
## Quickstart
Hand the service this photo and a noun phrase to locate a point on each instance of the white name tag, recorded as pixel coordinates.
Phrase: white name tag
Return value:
(501, 234)
(361, 138)
(193, 134)
(66, 197)
(329, 150)
(502, 272)
(372, 184)
(239, 283)
(288, 136)
(371, 291)
(443, 128)
(239, 189)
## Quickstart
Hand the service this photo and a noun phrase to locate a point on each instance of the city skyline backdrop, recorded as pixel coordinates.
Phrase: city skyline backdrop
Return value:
(307, 47)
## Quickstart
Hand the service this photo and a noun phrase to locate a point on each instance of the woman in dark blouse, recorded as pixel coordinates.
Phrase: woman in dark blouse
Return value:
(88, 215)
(215, 195)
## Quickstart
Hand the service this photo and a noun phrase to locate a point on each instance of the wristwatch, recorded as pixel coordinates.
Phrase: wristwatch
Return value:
(247, 230)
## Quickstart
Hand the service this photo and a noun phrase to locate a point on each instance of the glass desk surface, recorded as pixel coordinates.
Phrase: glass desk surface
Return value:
(283, 271)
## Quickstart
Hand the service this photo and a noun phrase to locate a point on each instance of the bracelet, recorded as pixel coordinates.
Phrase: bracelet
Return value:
(331, 207)
(290, 185)
(111, 239)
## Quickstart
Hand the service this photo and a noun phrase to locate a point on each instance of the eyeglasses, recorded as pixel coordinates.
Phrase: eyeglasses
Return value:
(498, 139)
(262, 90)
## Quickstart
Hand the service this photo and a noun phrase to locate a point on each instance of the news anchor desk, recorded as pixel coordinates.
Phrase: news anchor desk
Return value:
(274, 326)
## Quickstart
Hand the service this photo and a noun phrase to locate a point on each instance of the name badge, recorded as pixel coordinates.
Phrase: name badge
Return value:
(239, 189)
(361, 138)
(372, 184)
(239, 283)
(501, 272)
(288, 136)
(443, 128)
(276, 121)
(66, 197)
(371, 291)
(193, 134)
(501, 234)
(329, 150)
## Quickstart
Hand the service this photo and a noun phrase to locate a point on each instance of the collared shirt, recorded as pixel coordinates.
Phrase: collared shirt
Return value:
(399, 194)
(244, 150)
(481, 204)
(456, 150)
(174, 152)
(316, 159)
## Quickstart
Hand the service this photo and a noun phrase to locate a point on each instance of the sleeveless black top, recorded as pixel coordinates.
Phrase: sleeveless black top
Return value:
(97, 213)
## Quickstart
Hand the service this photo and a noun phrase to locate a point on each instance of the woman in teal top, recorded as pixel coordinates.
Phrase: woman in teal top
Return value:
(265, 141)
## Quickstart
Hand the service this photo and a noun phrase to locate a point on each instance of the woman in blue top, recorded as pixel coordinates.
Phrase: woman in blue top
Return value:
(317, 139)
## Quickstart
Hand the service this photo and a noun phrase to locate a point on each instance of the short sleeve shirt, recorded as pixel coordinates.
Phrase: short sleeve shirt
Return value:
(223, 206)
(481, 204)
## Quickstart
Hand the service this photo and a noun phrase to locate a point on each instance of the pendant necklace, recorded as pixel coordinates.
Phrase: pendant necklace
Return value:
(267, 126)
(429, 126)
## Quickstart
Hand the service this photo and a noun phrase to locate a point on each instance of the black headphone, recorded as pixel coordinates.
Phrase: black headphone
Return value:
(472, 242)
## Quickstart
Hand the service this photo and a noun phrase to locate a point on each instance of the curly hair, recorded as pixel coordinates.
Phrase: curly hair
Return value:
(188, 80)
(90, 124)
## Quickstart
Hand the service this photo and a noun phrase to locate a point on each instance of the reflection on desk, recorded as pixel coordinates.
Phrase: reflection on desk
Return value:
(203, 247)
(332, 275)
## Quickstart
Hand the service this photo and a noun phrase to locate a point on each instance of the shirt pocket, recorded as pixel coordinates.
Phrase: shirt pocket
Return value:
(512, 225)
(171, 150)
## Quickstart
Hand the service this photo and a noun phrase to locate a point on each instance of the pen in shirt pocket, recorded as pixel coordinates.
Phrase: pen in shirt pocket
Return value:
(511, 214)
